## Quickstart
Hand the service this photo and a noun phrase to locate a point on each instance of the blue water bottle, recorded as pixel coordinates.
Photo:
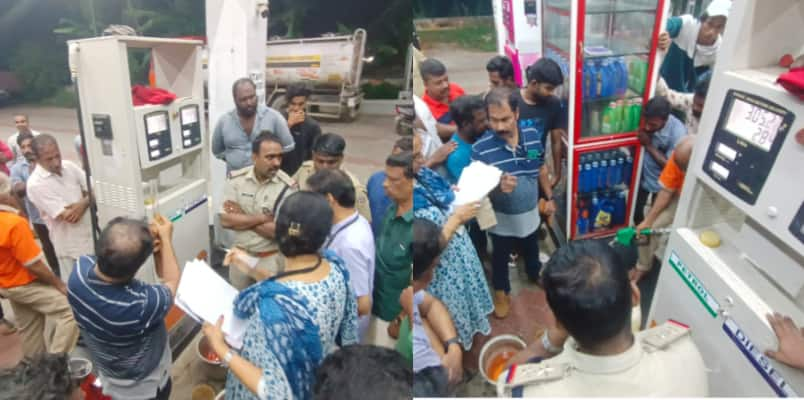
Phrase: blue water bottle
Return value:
(602, 173)
(619, 169)
(593, 174)
(581, 177)
(583, 220)
(627, 169)
(587, 175)
(594, 208)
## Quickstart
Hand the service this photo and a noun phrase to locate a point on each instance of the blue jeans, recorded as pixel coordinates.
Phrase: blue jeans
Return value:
(503, 246)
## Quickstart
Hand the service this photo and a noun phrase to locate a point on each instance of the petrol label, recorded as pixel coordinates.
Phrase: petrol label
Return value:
(758, 360)
(695, 284)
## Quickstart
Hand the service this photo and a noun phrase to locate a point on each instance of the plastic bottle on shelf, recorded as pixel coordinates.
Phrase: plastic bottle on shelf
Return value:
(587, 175)
(581, 176)
(609, 122)
(602, 173)
(605, 212)
(635, 111)
(643, 74)
(613, 176)
(589, 80)
(594, 208)
(583, 220)
(593, 174)
(619, 169)
(627, 170)
(627, 118)
(622, 76)
(621, 121)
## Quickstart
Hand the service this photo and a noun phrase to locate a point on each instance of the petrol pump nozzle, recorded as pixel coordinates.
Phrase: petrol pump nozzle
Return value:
(625, 236)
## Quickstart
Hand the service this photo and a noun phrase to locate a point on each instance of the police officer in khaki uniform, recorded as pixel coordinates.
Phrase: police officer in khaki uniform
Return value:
(590, 295)
(252, 198)
(328, 154)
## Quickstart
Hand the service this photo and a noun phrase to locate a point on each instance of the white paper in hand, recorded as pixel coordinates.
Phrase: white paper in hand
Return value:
(477, 181)
(205, 296)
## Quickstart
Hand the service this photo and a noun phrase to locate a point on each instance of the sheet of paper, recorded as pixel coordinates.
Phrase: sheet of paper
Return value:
(477, 180)
(204, 296)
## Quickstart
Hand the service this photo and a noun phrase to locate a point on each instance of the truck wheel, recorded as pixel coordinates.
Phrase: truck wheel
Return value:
(348, 114)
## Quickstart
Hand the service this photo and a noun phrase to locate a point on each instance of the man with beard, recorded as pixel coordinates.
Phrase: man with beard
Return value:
(250, 201)
(517, 150)
(469, 114)
(439, 93)
(690, 103)
(539, 106)
(20, 173)
(23, 125)
(659, 134)
(237, 129)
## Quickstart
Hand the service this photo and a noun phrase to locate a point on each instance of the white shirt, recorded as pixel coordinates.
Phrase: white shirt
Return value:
(677, 371)
(430, 141)
(353, 241)
(51, 193)
(15, 148)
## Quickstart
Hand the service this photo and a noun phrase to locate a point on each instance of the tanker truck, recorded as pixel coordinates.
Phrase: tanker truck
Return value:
(331, 65)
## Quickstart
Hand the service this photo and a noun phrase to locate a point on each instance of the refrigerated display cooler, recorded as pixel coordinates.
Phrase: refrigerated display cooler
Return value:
(606, 49)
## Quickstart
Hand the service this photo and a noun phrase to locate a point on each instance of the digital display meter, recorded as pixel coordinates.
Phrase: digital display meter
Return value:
(747, 139)
(753, 123)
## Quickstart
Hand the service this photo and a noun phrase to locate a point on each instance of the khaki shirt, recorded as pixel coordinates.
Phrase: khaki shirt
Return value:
(676, 371)
(307, 170)
(256, 198)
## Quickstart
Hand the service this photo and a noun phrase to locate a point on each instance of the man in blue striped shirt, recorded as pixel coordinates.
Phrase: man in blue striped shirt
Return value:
(517, 149)
(121, 318)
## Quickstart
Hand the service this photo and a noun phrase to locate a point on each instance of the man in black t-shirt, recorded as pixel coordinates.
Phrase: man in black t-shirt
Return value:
(303, 128)
(538, 105)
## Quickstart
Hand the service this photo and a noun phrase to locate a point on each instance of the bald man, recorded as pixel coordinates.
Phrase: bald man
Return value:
(664, 207)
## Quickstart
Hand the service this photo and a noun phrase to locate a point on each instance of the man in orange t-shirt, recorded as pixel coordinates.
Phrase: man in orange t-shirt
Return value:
(35, 293)
(439, 93)
(664, 207)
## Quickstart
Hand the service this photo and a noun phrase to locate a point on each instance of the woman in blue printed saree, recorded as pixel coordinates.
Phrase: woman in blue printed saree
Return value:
(294, 319)
(459, 281)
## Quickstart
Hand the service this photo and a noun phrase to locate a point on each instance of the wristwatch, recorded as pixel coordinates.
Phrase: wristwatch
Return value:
(549, 346)
(454, 340)
(227, 358)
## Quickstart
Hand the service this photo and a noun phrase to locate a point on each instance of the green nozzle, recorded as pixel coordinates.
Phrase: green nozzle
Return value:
(625, 236)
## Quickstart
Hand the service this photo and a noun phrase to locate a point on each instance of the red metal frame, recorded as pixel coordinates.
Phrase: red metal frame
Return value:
(607, 142)
(578, 104)
(577, 151)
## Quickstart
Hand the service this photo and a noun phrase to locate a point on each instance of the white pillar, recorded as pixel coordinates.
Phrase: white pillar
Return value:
(236, 36)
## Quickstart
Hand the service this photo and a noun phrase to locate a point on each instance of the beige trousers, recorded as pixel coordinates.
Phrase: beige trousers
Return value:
(657, 244)
(270, 265)
(35, 304)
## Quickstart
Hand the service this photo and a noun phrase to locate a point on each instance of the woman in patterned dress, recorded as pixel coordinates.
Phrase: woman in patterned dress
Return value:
(295, 319)
(459, 281)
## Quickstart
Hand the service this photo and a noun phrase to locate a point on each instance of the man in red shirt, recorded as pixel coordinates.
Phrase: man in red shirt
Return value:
(439, 92)
(663, 210)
